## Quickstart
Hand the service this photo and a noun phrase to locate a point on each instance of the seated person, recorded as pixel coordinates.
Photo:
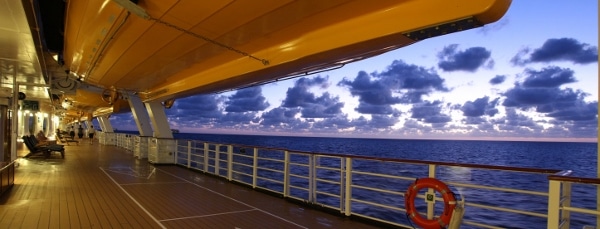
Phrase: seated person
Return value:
(42, 139)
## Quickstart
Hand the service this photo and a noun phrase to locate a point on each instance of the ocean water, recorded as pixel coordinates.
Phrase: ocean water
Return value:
(579, 157)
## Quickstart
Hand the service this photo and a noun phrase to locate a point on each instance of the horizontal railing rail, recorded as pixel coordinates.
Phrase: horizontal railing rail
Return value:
(374, 188)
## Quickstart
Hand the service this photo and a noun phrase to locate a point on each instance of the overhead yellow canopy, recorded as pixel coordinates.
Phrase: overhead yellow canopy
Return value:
(188, 47)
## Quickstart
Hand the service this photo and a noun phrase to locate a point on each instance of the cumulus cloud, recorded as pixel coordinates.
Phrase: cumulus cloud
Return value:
(280, 117)
(524, 97)
(197, 107)
(247, 99)
(548, 77)
(398, 94)
(382, 121)
(518, 122)
(479, 107)
(497, 79)
(312, 106)
(237, 118)
(542, 90)
(429, 112)
(468, 60)
(123, 120)
(401, 83)
(370, 92)
(561, 49)
(577, 111)
(366, 108)
(334, 124)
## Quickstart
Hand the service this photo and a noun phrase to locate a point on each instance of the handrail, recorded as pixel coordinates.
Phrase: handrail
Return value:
(423, 162)
(581, 180)
(7, 172)
(7, 165)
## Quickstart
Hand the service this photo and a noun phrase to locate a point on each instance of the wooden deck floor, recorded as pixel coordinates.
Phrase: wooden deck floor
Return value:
(98, 186)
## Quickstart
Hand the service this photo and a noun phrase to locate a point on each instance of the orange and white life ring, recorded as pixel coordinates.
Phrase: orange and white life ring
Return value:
(449, 203)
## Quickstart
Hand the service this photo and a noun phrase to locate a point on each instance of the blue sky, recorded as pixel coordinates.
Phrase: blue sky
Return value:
(531, 75)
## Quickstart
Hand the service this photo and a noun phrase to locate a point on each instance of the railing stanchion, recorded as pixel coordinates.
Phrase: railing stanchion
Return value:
(553, 204)
(565, 216)
(229, 162)
(176, 150)
(348, 188)
(217, 157)
(189, 154)
(286, 174)
(431, 191)
(311, 178)
(205, 157)
(255, 168)
(342, 184)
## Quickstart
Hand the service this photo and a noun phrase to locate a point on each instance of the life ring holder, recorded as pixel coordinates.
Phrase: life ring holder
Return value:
(449, 203)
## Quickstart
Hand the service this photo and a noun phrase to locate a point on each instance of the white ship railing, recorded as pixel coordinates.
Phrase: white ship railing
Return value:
(561, 197)
(373, 188)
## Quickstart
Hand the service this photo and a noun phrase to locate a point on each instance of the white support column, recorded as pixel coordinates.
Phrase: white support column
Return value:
(142, 120)
(105, 124)
(21, 128)
(55, 124)
(26, 119)
(88, 123)
(159, 120)
(35, 124)
(49, 126)
(14, 121)
(101, 122)
(39, 122)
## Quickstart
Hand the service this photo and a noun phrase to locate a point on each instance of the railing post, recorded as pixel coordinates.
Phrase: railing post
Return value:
(342, 184)
(565, 216)
(229, 162)
(189, 154)
(176, 151)
(217, 156)
(311, 178)
(348, 188)
(205, 157)
(286, 174)
(255, 168)
(431, 191)
(553, 204)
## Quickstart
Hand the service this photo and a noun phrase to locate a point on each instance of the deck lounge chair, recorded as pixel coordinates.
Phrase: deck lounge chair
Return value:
(45, 150)
(36, 142)
(66, 139)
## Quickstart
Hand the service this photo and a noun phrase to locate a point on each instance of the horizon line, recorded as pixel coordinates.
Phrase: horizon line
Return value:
(366, 136)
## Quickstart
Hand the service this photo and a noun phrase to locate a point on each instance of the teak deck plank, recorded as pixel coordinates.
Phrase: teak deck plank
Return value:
(98, 186)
